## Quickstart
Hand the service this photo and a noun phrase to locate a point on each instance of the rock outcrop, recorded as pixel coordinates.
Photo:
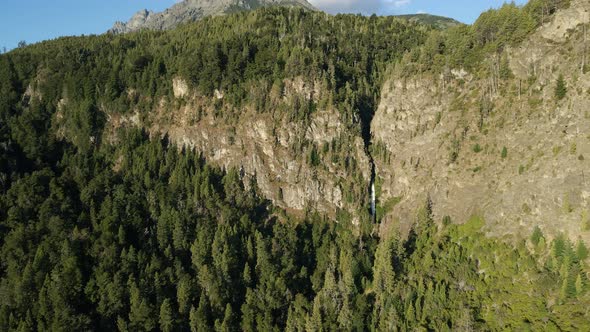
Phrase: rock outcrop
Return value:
(269, 148)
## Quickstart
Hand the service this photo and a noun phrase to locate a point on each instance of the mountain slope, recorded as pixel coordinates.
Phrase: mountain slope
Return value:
(193, 10)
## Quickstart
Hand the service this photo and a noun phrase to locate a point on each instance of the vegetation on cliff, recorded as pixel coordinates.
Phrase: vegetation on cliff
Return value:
(469, 46)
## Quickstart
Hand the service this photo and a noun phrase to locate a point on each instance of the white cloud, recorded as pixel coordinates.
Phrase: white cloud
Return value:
(359, 6)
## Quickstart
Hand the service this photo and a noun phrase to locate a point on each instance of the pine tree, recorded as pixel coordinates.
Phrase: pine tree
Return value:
(560, 88)
(536, 236)
(247, 275)
(558, 246)
(248, 312)
(183, 294)
(314, 321)
(228, 319)
(345, 318)
(296, 319)
(581, 250)
(568, 288)
(579, 285)
(542, 245)
(141, 315)
(166, 319)
(193, 320)
(199, 318)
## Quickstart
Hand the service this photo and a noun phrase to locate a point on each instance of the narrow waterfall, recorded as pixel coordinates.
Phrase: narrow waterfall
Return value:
(373, 212)
(367, 108)
(372, 194)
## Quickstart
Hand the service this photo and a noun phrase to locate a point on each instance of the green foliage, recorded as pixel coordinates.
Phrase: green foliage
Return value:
(106, 255)
(536, 236)
(504, 153)
(455, 148)
(166, 320)
(560, 88)
(477, 148)
(466, 46)
(581, 250)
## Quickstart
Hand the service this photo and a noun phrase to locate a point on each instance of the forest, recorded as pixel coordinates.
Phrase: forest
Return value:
(144, 235)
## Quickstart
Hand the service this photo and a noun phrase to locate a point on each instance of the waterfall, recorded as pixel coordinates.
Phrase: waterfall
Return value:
(373, 212)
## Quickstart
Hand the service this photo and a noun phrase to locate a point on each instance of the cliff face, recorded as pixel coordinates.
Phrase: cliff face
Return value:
(314, 163)
(503, 148)
(508, 151)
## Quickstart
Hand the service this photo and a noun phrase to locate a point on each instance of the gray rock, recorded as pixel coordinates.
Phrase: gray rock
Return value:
(193, 10)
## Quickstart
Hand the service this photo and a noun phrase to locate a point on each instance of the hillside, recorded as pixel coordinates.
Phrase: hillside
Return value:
(218, 175)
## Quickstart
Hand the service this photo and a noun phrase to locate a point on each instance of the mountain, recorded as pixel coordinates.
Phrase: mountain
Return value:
(439, 22)
(193, 10)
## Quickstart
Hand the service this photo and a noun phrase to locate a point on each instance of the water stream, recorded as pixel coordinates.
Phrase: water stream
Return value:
(367, 108)
(373, 208)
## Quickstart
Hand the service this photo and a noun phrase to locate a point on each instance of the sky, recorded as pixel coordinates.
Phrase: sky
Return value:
(36, 20)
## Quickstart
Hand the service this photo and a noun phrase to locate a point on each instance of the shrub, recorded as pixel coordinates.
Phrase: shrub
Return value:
(560, 88)
(536, 236)
(477, 148)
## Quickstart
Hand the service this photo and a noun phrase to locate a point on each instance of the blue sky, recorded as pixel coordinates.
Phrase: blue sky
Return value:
(36, 20)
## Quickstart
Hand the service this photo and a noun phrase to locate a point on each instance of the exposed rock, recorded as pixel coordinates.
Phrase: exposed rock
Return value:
(262, 145)
(566, 20)
(439, 145)
(193, 10)
(179, 87)
(136, 22)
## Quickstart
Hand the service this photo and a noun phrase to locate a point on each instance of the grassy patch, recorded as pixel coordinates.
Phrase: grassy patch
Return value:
(387, 207)
(477, 148)
(473, 226)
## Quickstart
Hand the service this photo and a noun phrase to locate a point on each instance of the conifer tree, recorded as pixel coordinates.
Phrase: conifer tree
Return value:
(579, 285)
(536, 236)
(166, 318)
(581, 250)
(560, 88)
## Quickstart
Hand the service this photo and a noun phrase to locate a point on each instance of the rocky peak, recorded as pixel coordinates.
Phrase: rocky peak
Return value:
(194, 10)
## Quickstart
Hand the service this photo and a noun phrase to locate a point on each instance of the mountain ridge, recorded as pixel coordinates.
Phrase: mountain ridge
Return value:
(440, 22)
(193, 10)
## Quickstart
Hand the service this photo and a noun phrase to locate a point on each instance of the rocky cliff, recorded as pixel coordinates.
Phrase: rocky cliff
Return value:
(509, 151)
(473, 144)
(264, 146)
